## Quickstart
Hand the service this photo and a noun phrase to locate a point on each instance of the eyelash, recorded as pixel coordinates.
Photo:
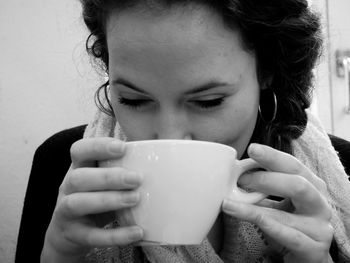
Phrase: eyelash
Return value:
(206, 104)
(133, 103)
(203, 104)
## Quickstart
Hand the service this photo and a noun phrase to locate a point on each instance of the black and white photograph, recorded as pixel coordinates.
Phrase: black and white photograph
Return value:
(180, 131)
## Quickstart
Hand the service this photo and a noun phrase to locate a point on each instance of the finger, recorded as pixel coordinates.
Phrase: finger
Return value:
(277, 161)
(303, 194)
(284, 204)
(101, 179)
(296, 242)
(313, 228)
(291, 238)
(97, 237)
(82, 204)
(86, 152)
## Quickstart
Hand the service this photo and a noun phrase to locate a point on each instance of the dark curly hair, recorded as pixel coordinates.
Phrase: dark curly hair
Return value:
(284, 35)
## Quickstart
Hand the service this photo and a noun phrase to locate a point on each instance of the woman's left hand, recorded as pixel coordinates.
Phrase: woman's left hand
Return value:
(301, 230)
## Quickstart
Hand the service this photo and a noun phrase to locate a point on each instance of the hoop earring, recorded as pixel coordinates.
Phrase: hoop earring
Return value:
(268, 96)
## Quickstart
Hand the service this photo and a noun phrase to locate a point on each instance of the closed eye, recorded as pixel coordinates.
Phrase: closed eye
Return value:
(204, 104)
(134, 103)
(208, 103)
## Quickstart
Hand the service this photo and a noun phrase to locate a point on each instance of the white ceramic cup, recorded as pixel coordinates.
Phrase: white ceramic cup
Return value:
(185, 183)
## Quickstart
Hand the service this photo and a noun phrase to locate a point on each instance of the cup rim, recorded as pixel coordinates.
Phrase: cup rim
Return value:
(182, 142)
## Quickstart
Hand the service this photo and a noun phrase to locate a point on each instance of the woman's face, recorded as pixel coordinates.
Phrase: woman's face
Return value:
(181, 75)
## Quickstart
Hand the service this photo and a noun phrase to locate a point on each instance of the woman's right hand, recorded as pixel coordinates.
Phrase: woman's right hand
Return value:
(86, 192)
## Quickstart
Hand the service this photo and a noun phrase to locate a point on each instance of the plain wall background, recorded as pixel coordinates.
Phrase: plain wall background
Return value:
(46, 85)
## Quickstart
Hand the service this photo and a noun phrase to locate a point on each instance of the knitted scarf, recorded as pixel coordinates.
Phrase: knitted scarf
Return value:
(243, 241)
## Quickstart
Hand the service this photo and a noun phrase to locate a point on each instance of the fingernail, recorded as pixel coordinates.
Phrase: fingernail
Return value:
(229, 205)
(131, 198)
(226, 202)
(245, 180)
(255, 150)
(136, 233)
(133, 178)
(117, 146)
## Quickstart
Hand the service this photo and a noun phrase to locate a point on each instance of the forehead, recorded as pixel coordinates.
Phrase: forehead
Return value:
(191, 21)
(179, 40)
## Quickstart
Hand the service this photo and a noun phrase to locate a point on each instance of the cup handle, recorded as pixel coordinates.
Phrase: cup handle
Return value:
(238, 193)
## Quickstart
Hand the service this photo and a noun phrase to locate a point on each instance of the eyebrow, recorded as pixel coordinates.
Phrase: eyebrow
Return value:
(210, 85)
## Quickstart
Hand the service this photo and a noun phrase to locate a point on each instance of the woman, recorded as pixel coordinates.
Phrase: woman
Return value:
(237, 72)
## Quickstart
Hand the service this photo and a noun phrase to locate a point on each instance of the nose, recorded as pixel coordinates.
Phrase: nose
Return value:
(172, 125)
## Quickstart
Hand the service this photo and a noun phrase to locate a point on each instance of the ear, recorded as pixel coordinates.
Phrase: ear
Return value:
(267, 82)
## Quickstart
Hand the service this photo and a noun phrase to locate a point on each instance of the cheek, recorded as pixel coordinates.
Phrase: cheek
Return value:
(230, 125)
(134, 126)
(243, 121)
(233, 126)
